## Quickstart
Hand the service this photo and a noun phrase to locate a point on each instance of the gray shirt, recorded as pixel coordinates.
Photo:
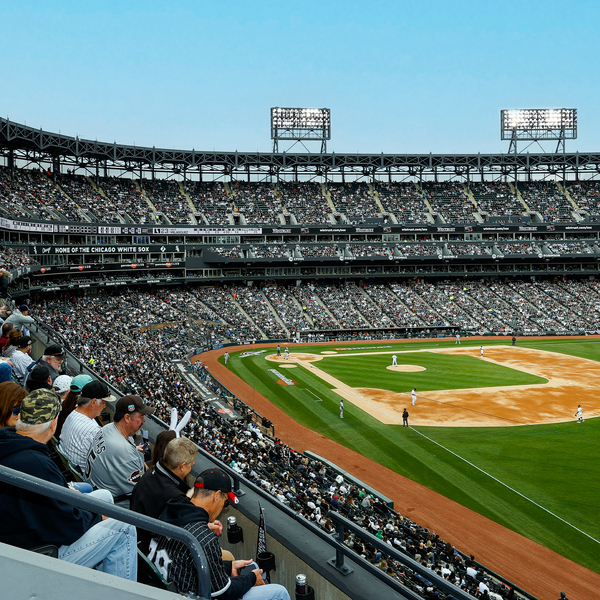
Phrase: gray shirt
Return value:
(113, 462)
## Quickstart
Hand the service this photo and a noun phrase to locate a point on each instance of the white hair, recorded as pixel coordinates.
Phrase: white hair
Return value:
(37, 429)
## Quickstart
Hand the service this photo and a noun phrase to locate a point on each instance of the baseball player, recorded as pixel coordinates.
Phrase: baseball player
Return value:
(278, 350)
(405, 418)
(481, 351)
(342, 408)
(286, 353)
(226, 357)
(579, 414)
(394, 360)
(457, 339)
(413, 395)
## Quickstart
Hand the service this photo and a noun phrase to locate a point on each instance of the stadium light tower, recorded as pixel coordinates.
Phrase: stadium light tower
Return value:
(538, 124)
(300, 125)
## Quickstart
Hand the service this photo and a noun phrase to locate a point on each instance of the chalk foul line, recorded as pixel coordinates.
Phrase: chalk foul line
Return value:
(507, 486)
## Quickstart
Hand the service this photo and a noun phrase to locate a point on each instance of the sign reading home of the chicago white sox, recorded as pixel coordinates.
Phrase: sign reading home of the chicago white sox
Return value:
(38, 249)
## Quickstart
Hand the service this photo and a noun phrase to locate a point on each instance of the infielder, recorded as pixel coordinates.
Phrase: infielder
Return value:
(579, 414)
(286, 354)
(481, 351)
(413, 395)
(394, 361)
(342, 408)
(457, 339)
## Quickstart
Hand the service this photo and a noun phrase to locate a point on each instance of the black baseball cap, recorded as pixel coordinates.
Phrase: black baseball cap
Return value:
(54, 350)
(127, 405)
(97, 389)
(218, 480)
(24, 341)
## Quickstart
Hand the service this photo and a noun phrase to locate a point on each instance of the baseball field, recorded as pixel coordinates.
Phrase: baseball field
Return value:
(496, 433)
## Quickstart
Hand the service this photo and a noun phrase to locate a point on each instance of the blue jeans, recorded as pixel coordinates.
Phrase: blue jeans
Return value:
(109, 546)
(269, 591)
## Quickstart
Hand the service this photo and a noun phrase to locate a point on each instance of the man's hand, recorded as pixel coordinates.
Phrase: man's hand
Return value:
(216, 526)
(237, 565)
(259, 579)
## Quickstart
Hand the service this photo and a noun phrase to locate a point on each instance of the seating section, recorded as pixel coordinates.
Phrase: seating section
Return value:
(545, 198)
(404, 201)
(305, 201)
(167, 199)
(353, 200)
(258, 202)
(211, 201)
(496, 199)
(450, 201)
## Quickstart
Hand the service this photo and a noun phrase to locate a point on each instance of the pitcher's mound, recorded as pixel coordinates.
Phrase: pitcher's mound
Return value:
(406, 368)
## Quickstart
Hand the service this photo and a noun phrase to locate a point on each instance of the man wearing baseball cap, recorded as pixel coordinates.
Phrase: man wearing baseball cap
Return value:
(212, 492)
(114, 462)
(30, 519)
(54, 355)
(20, 319)
(81, 426)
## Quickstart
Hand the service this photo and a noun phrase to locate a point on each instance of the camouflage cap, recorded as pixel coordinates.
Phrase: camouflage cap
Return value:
(41, 406)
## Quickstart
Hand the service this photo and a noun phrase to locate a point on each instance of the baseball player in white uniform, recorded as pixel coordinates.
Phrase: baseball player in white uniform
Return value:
(286, 353)
(342, 408)
(394, 360)
(579, 414)
(413, 395)
(481, 351)
(457, 339)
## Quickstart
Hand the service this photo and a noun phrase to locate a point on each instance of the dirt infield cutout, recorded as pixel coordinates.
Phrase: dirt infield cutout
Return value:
(288, 366)
(571, 381)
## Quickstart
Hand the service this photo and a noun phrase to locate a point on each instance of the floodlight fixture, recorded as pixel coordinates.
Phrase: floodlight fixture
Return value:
(538, 124)
(300, 125)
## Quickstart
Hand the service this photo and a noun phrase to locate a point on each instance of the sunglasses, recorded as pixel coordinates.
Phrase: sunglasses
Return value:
(16, 410)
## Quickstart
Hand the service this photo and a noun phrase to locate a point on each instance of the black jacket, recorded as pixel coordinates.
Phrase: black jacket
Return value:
(151, 494)
(30, 519)
(180, 567)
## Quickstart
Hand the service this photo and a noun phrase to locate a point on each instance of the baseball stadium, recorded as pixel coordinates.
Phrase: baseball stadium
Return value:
(385, 362)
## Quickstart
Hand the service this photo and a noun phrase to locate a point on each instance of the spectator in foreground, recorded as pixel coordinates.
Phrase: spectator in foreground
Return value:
(165, 481)
(114, 462)
(11, 396)
(54, 355)
(81, 426)
(212, 492)
(31, 519)
(21, 359)
(70, 401)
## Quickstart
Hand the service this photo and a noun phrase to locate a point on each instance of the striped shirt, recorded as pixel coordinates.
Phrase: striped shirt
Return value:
(76, 438)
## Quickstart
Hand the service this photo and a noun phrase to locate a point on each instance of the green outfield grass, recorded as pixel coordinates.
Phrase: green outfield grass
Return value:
(553, 466)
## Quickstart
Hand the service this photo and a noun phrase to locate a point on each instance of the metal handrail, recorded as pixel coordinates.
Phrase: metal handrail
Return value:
(342, 524)
(57, 492)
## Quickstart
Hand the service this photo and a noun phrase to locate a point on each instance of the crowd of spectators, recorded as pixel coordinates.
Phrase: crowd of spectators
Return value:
(319, 250)
(574, 247)
(305, 201)
(545, 198)
(353, 200)
(254, 302)
(314, 309)
(449, 200)
(167, 198)
(275, 251)
(124, 195)
(258, 202)
(89, 199)
(211, 200)
(496, 199)
(404, 201)
(467, 249)
(586, 195)
(365, 250)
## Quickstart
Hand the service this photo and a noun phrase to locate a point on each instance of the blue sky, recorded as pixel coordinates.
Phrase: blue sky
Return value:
(403, 77)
